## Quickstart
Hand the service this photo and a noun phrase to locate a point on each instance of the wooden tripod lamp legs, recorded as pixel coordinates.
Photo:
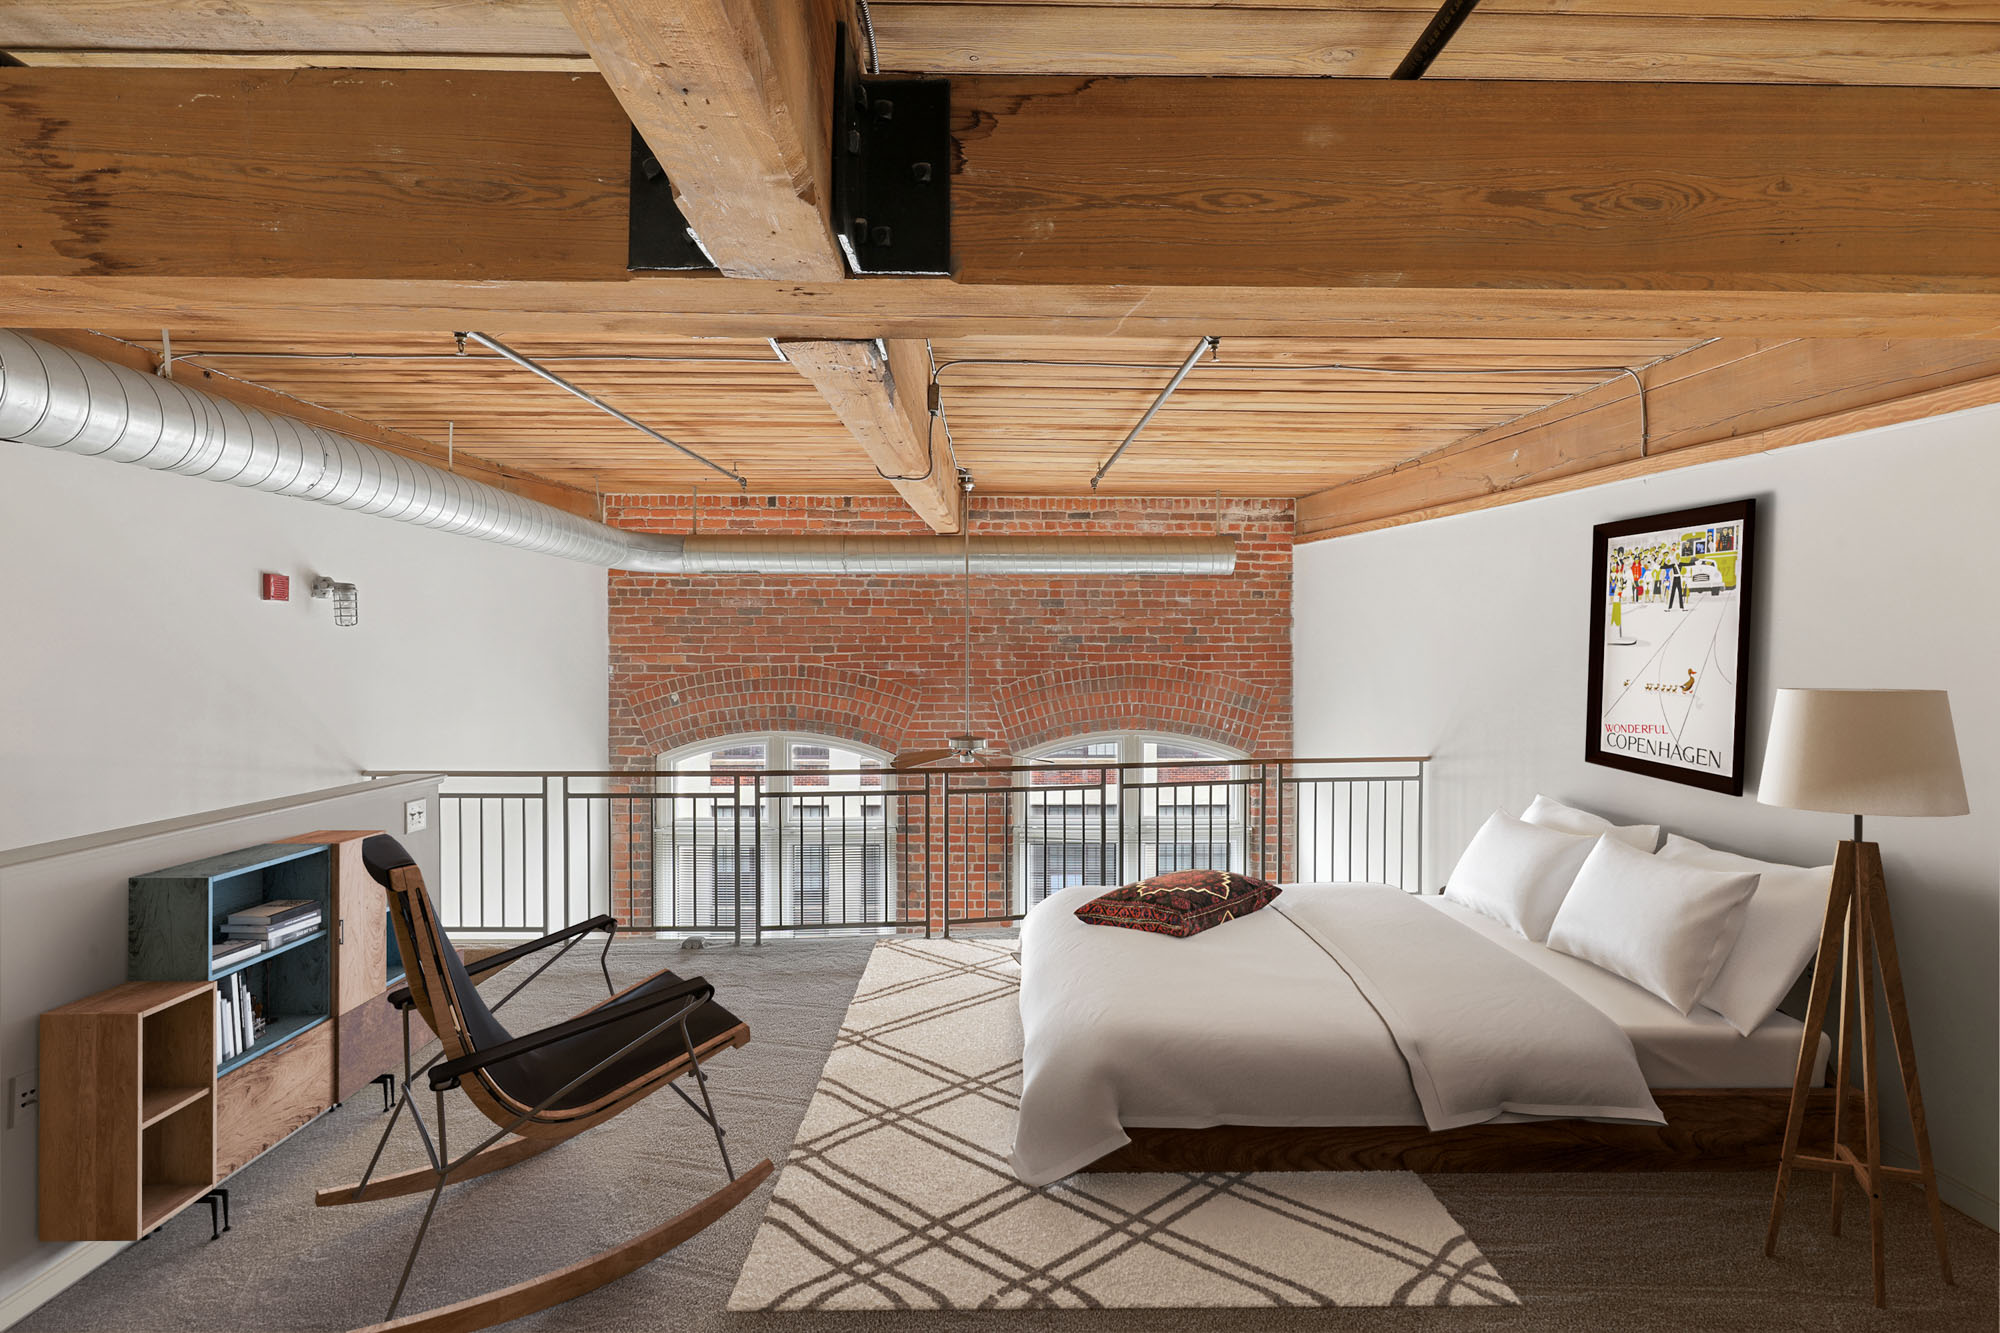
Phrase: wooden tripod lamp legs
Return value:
(1858, 928)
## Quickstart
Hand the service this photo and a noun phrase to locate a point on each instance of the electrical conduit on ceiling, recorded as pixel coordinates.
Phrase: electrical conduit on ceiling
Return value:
(72, 402)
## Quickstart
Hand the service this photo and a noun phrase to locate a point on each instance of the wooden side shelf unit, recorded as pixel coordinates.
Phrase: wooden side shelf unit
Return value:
(128, 1109)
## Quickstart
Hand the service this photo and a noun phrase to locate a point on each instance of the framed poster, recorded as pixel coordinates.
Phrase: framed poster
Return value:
(1670, 644)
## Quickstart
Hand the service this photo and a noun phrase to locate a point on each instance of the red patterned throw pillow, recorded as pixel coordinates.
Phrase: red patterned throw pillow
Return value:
(1181, 904)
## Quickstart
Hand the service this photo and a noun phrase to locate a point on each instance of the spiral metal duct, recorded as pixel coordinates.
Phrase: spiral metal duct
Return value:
(55, 398)
(757, 554)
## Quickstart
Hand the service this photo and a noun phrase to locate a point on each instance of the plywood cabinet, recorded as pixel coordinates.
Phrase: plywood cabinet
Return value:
(264, 1102)
(367, 1038)
(127, 1109)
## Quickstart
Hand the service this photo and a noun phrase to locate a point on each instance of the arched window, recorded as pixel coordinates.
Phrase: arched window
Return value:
(773, 829)
(1180, 807)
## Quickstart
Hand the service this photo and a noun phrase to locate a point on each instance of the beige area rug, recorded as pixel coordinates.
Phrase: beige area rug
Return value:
(897, 1193)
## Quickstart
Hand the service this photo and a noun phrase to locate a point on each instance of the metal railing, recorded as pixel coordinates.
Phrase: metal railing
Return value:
(745, 853)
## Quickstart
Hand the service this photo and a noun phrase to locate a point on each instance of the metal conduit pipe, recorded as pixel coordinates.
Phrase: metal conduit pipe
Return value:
(758, 554)
(55, 398)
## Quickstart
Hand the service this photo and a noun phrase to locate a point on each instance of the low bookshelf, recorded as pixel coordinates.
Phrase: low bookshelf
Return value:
(128, 1109)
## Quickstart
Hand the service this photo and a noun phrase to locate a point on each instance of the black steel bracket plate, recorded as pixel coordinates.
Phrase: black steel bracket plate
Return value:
(891, 170)
(658, 237)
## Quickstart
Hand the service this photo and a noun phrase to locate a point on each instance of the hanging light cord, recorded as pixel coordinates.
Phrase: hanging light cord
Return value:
(965, 660)
(933, 414)
(868, 28)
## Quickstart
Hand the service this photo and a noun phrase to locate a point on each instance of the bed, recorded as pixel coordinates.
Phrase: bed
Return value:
(1355, 1026)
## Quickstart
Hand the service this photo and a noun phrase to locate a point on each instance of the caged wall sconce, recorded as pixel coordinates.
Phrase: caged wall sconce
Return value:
(346, 600)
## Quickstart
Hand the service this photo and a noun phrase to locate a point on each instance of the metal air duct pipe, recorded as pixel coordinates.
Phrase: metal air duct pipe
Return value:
(59, 399)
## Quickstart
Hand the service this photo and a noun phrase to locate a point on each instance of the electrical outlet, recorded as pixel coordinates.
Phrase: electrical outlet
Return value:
(23, 1092)
(416, 816)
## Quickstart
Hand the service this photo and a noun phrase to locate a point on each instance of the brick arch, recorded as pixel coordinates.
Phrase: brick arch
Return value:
(666, 712)
(1135, 696)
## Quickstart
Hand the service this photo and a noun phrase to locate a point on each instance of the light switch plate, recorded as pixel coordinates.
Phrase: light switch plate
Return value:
(416, 816)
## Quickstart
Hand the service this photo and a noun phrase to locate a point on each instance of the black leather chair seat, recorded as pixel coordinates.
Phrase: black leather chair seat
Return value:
(530, 1077)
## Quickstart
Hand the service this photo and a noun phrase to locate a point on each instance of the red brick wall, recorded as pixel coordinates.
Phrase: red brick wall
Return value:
(877, 660)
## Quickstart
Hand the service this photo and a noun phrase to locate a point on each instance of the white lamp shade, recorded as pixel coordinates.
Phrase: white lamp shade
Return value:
(1863, 752)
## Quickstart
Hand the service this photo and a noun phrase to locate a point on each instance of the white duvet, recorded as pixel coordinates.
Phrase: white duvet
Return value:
(1337, 1005)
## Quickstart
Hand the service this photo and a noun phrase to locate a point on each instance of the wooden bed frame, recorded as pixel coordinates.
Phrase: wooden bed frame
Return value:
(1707, 1129)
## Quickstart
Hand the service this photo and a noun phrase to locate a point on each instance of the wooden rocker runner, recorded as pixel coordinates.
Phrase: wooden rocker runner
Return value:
(538, 1090)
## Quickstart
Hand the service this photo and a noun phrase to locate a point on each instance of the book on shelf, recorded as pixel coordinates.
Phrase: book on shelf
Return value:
(291, 930)
(280, 938)
(273, 915)
(233, 950)
(271, 928)
(248, 1029)
(246, 930)
(238, 1022)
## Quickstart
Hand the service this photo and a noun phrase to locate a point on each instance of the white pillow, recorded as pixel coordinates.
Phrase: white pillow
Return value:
(1780, 932)
(1569, 819)
(1666, 925)
(1517, 873)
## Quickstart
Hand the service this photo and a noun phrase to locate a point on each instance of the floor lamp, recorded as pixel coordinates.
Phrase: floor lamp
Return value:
(1860, 752)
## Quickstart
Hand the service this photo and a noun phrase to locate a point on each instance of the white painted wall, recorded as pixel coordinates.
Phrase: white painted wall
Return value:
(1467, 637)
(142, 677)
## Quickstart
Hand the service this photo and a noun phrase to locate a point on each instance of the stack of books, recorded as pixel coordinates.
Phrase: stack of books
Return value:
(238, 1022)
(272, 924)
(234, 951)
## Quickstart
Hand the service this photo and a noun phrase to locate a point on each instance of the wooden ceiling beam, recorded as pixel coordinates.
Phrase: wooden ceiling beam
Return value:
(1723, 399)
(884, 403)
(1107, 206)
(736, 102)
(263, 308)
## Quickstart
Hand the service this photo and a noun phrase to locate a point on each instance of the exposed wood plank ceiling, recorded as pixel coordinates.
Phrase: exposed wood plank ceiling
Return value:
(1033, 411)
(1269, 416)
(1938, 42)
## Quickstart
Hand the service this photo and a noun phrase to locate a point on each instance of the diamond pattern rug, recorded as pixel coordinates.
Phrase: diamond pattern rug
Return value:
(897, 1193)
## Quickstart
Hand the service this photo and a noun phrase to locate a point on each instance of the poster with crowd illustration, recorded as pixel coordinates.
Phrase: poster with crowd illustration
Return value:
(1669, 644)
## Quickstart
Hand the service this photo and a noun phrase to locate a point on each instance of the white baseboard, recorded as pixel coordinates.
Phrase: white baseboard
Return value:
(1975, 1204)
(73, 1265)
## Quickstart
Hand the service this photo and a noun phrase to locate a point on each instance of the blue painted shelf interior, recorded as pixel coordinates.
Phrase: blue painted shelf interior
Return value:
(176, 919)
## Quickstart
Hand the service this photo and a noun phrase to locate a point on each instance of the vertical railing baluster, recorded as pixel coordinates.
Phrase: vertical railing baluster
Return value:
(944, 852)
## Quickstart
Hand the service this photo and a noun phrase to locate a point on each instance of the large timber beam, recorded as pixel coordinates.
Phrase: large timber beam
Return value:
(884, 403)
(927, 307)
(736, 102)
(441, 199)
(1723, 399)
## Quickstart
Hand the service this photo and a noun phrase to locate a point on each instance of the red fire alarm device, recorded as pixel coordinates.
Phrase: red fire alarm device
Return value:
(277, 588)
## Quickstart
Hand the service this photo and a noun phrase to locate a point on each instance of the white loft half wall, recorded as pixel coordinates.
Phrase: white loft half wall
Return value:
(1467, 637)
(145, 678)
(63, 920)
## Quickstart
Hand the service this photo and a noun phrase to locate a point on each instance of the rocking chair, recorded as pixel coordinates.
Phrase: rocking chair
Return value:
(539, 1089)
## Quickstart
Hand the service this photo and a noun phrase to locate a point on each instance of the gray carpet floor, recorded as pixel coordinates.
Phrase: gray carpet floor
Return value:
(1585, 1252)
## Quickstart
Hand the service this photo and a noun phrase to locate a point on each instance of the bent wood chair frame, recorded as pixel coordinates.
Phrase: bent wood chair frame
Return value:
(525, 1130)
